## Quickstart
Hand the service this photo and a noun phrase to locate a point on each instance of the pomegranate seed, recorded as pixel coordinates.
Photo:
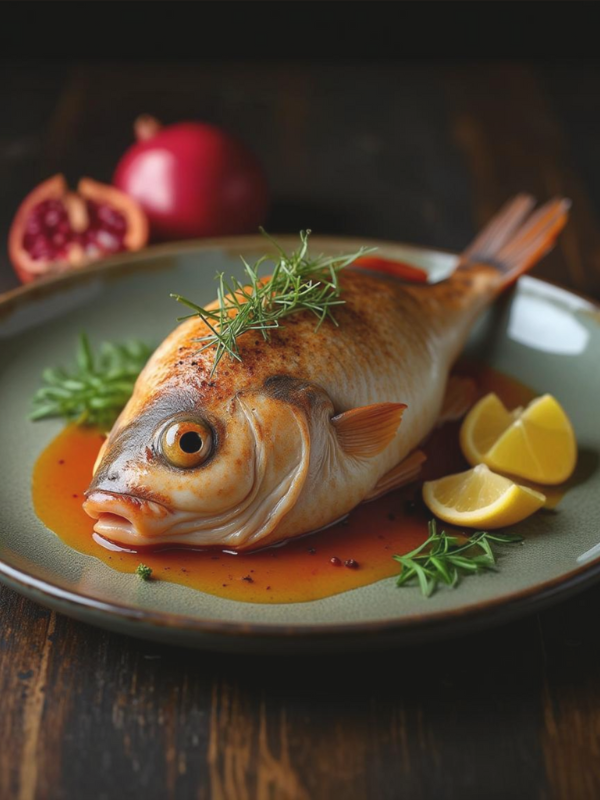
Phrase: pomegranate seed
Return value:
(40, 249)
(119, 225)
(335, 561)
(351, 564)
(48, 232)
(107, 240)
(108, 216)
(52, 218)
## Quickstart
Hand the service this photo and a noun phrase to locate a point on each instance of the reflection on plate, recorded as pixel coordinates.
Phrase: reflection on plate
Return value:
(540, 335)
(541, 317)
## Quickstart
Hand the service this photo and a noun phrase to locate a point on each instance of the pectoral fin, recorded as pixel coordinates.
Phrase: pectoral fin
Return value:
(460, 396)
(365, 431)
(402, 474)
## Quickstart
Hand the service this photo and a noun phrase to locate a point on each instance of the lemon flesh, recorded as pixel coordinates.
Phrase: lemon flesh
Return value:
(479, 498)
(482, 427)
(540, 445)
(537, 444)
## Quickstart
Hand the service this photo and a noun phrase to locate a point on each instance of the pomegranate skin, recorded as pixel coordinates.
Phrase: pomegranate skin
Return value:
(194, 180)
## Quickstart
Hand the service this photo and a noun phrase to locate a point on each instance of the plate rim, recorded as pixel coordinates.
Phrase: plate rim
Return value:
(404, 629)
(408, 627)
(167, 249)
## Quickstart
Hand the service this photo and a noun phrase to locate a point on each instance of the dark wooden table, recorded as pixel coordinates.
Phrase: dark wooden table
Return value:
(421, 153)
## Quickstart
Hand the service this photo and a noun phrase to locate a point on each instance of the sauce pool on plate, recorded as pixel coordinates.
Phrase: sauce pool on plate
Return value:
(352, 553)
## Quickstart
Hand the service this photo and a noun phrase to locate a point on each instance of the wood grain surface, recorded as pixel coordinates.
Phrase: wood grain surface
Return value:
(405, 151)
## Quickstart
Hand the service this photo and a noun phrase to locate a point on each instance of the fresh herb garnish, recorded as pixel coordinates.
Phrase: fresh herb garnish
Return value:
(96, 389)
(143, 572)
(445, 559)
(298, 282)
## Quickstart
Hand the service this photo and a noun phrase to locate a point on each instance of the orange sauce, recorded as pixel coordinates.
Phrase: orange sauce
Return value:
(297, 571)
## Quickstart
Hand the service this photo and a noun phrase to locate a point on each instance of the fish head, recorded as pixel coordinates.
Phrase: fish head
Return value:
(176, 472)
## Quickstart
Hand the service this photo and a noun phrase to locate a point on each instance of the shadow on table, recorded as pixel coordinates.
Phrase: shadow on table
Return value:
(502, 661)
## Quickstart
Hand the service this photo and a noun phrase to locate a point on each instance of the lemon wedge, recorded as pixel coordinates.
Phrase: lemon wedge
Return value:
(537, 443)
(482, 427)
(479, 498)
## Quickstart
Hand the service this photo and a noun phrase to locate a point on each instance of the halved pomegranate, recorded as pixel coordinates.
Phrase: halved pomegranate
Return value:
(56, 230)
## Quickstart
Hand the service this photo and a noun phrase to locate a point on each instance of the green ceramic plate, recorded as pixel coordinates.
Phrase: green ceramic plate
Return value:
(542, 335)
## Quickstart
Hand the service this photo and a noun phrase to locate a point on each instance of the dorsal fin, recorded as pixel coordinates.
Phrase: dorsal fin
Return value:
(365, 431)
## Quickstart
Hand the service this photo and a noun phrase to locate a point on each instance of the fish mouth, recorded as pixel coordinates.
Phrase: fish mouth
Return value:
(125, 518)
(113, 526)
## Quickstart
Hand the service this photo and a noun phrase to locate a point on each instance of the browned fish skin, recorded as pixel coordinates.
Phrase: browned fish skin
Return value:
(281, 465)
(394, 344)
(382, 326)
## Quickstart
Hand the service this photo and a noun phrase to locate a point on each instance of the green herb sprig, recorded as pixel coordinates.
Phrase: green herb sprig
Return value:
(143, 572)
(96, 389)
(298, 282)
(445, 559)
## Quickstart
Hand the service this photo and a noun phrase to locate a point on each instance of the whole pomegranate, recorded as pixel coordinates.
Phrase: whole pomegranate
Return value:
(56, 230)
(193, 180)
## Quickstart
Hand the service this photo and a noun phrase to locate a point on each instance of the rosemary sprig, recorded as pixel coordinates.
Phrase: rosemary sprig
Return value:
(298, 282)
(444, 559)
(95, 390)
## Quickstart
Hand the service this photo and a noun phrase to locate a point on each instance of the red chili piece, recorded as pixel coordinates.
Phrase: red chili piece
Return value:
(397, 269)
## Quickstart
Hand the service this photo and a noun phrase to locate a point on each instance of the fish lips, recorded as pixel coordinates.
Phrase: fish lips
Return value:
(125, 518)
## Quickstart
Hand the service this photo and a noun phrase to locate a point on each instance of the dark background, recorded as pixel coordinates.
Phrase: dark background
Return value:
(414, 151)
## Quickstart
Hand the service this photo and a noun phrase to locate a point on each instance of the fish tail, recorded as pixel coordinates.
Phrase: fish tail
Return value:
(515, 239)
(510, 244)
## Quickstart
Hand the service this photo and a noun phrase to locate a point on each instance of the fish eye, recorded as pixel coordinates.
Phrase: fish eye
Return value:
(186, 443)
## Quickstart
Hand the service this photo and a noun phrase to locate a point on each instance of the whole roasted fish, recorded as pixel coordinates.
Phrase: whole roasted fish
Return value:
(309, 424)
